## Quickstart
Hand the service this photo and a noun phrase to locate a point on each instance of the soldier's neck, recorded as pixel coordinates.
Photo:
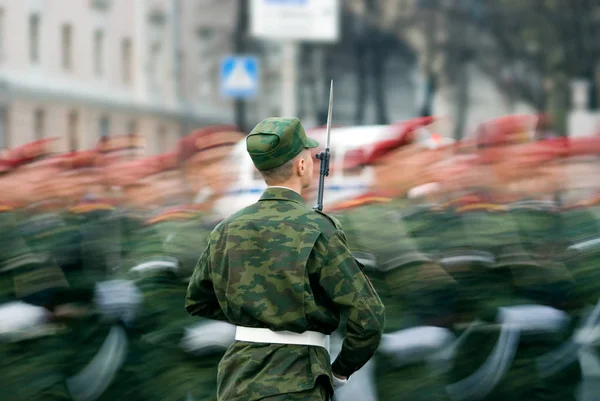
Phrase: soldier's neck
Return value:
(287, 185)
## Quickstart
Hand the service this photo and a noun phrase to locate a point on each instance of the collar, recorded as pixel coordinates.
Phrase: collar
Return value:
(282, 193)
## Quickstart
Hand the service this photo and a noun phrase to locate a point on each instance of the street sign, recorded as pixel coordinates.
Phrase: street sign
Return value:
(239, 77)
(295, 20)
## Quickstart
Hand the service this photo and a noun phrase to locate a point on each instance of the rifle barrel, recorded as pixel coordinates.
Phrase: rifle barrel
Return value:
(329, 114)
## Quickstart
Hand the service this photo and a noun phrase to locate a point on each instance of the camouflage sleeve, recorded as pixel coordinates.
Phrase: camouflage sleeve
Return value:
(201, 299)
(348, 287)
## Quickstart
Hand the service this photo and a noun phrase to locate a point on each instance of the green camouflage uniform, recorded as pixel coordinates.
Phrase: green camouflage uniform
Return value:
(293, 289)
(281, 266)
(32, 350)
(180, 355)
(581, 230)
(421, 223)
(100, 339)
(504, 293)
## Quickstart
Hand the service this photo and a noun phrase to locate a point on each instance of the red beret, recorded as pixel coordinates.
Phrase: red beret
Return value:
(32, 151)
(79, 159)
(541, 151)
(166, 161)
(208, 138)
(584, 146)
(403, 135)
(147, 167)
(505, 130)
(6, 166)
(115, 143)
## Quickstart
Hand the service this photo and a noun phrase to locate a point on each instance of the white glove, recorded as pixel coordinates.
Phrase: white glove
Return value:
(206, 337)
(20, 316)
(337, 383)
(118, 299)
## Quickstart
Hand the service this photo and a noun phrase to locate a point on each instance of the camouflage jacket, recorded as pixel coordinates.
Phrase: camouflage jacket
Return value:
(279, 265)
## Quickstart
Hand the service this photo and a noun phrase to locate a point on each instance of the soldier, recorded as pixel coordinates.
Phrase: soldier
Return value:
(580, 229)
(101, 335)
(513, 303)
(201, 156)
(417, 292)
(177, 359)
(283, 274)
(32, 287)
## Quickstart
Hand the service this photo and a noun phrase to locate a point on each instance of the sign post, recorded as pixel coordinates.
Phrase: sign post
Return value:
(290, 22)
(239, 77)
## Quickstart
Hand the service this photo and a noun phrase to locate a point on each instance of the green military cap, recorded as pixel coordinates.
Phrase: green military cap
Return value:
(275, 141)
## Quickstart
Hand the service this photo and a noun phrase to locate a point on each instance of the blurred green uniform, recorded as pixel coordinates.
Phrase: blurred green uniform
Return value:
(418, 295)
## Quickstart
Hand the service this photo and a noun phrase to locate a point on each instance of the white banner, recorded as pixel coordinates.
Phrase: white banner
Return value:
(296, 20)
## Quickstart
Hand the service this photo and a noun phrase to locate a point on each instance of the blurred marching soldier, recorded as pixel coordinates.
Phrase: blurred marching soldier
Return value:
(178, 358)
(202, 154)
(505, 294)
(580, 225)
(203, 158)
(32, 293)
(416, 290)
(41, 217)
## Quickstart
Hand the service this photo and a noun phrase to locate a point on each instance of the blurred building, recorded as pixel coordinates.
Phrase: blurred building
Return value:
(420, 38)
(82, 69)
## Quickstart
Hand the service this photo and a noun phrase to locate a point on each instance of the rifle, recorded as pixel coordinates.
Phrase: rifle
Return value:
(324, 156)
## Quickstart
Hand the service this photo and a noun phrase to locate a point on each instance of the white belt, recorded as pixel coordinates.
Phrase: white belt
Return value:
(255, 335)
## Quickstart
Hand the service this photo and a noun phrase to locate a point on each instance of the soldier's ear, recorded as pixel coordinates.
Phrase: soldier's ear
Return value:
(301, 166)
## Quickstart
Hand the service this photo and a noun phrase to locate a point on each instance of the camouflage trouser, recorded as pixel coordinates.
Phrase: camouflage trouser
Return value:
(318, 393)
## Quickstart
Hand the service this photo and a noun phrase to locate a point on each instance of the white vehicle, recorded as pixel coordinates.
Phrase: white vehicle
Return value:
(342, 183)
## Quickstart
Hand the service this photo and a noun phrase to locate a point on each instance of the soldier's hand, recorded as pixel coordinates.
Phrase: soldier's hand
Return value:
(69, 311)
(339, 381)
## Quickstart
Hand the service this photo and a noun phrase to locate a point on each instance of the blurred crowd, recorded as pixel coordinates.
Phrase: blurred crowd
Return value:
(483, 251)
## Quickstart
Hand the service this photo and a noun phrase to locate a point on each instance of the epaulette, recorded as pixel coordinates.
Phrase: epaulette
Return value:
(363, 200)
(6, 208)
(177, 214)
(198, 207)
(595, 200)
(333, 220)
(478, 207)
(462, 201)
(533, 205)
(91, 207)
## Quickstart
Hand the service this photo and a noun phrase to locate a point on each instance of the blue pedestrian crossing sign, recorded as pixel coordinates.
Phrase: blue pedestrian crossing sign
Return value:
(239, 77)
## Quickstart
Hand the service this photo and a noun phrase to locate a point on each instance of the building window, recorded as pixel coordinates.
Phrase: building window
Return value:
(67, 45)
(126, 60)
(98, 53)
(34, 38)
(155, 60)
(39, 124)
(73, 131)
(104, 128)
(4, 134)
(2, 32)
(162, 139)
(206, 35)
(132, 127)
